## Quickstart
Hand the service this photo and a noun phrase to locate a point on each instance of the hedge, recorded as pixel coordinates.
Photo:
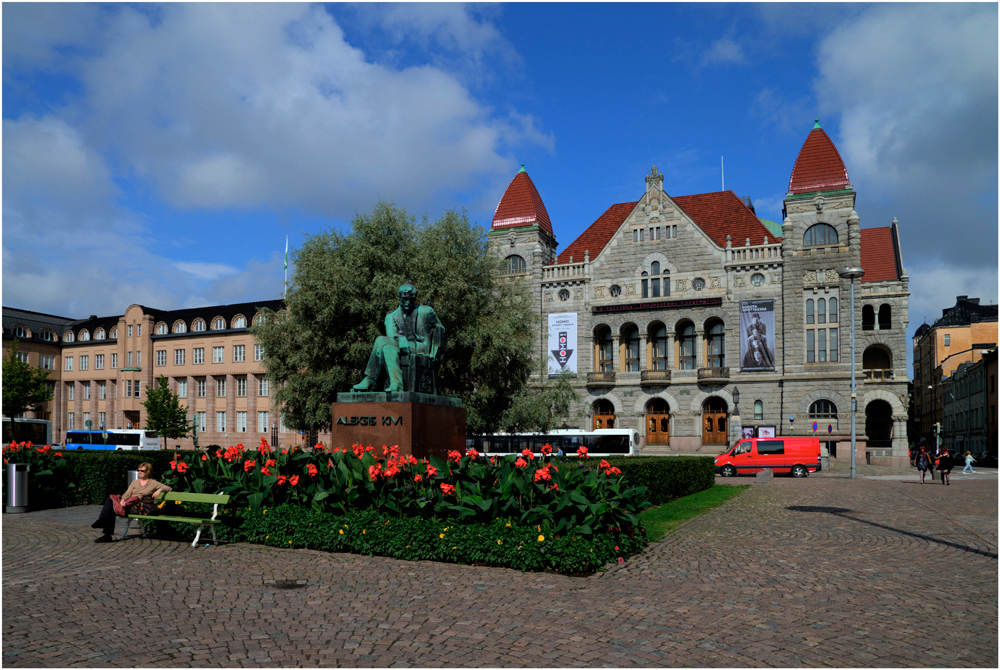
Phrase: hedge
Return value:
(97, 474)
(667, 478)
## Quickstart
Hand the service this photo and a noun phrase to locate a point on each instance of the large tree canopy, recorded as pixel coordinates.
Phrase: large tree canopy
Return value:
(345, 284)
(24, 387)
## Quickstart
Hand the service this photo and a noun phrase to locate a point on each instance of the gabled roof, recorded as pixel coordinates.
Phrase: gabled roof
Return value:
(521, 206)
(598, 234)
(723, 213)
(879, 255)
(718, 214)
(966, 311)
(818, 166)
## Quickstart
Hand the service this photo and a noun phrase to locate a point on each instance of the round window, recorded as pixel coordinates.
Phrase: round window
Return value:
(615, 290)
(757, 279)
(698, 284)
(564, 294)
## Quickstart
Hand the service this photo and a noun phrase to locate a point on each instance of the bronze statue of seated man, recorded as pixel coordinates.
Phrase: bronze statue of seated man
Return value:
(411, 331)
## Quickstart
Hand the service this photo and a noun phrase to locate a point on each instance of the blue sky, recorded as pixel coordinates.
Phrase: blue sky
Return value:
(159, 154)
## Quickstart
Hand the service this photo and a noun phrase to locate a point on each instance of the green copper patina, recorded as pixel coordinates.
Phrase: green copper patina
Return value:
(405, 359)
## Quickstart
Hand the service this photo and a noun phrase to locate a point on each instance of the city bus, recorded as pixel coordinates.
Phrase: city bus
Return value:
(36, 431)
(600, 442)
(117, 440)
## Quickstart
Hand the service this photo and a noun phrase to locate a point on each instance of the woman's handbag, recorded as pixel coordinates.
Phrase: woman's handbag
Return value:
(140, 506)
(116, 503)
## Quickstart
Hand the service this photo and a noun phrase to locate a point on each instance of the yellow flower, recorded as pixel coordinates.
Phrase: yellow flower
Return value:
(541, 538)
(508, 524)
(453, 548)
(441, 536)
(499, 542)
(341, 531)
(363, 531)
(267, 537)
(177, 502)
(289, 542)
(265, 511)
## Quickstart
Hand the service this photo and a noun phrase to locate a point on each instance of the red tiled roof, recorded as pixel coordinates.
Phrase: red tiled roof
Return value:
(718, 214)
(878, 254)
(723, 213)
(521, 206)
(600, 232)
(818, 166)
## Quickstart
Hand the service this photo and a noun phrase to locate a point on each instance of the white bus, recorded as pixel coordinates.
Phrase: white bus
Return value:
(36, 431)
(600, 442)
(115, 440)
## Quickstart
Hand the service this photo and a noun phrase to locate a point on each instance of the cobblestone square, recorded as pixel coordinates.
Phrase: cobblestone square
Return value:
(817, 572)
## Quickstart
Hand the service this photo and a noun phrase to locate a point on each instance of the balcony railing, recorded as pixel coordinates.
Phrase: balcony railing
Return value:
(564, 271)
(600, 379)
(877, 375)
(654, 377)
(713, 375)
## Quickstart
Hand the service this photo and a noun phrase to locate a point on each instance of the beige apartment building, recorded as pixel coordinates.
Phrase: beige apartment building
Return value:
(101, 368)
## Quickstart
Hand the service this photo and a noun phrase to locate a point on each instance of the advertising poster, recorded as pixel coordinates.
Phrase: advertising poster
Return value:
(562, 343)
(757, 335)
(765, 431)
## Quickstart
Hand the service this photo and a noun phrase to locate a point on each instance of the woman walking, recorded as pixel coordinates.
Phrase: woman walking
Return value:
(969, 460)
(923, 462)
(944, 466)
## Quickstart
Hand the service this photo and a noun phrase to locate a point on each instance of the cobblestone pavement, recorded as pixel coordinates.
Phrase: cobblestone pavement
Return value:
(795, 572)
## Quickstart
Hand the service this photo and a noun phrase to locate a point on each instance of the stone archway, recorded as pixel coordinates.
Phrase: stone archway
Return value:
(878, 424)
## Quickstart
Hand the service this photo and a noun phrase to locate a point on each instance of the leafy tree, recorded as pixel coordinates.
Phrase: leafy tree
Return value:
(24, 387)
(542, 407)
(344, 285)
(164, 413)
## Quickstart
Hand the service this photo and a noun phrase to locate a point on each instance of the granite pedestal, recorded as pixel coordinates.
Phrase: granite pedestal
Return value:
(421, 424)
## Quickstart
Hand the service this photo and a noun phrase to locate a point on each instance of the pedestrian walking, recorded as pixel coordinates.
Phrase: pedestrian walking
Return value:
(923, 462)
(944, 466)
(969, 460)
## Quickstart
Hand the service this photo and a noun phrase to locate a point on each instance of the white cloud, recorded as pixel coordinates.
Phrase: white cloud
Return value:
(723, 51)
(206, 270)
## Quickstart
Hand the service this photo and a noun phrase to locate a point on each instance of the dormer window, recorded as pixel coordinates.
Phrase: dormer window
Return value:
(99, 334)
(219, 324)
(198, 326)
(161, 329)
(68, 337)
(240, 322)
(180, 327)
(84, 335)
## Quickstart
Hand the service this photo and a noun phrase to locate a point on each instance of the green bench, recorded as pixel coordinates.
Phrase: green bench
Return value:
(172, 497)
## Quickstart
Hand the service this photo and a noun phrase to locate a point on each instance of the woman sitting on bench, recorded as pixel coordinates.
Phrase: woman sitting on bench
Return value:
(144, 488)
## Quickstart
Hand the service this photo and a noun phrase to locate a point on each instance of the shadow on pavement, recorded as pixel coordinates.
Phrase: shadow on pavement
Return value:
(841, 512)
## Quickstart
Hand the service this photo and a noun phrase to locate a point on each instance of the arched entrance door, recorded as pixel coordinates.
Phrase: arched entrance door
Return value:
(878, 424)
(714, 421)
(657, 422)
(604, 414)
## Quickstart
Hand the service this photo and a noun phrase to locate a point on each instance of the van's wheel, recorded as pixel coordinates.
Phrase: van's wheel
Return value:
(800, 471)
(728, 471)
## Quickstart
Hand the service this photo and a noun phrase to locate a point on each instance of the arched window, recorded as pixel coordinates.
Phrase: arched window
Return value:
(653, 285)
(180, 327)
(48, 336)
(99, 334)
(219, 324)
(114, 333)
(685, 343)
(884, 317)
(659, 339)
(198, 326)
(821, 233)
(240, 322)
(867, 318)
(821, 311)
(810, 311)
(605, 347)
(876, 361)
(716, 337)
(84, 335)
(833, 310)
(758, 410)
(514, 264)
(68, 337)
(21, 331)
(161, 329)
(630, 342)
(823, 409)
(258, 319)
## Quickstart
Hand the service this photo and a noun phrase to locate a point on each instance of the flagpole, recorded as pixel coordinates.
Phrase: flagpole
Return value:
(285, 294)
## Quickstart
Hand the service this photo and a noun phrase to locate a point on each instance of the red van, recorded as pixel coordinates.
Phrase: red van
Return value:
(797, 456)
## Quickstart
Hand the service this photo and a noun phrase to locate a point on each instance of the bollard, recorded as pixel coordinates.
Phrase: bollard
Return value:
(17, 487)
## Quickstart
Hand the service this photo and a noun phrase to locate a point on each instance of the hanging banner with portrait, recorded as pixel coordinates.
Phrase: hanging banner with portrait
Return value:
(562, 343)
(756, 335)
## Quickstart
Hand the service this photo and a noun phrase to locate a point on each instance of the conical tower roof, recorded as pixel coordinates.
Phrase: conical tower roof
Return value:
(819, 166)
(521, 206)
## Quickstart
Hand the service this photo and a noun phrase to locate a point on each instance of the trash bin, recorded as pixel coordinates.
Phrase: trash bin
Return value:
(131, 477)
(17, 487)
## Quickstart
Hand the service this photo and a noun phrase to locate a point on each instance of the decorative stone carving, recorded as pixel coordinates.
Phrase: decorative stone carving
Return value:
(715, 282)
(832, 277)
(680, 285)
(809, 277)
(598, 291)
(775, 277)
(629, 289)
(738, 281)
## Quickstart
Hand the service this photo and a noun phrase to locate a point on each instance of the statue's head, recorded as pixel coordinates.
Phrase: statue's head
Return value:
(407, 297)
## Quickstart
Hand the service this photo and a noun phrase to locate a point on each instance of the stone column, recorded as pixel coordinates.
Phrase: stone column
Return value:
(643, 356)
(699, 349)
(615, 354)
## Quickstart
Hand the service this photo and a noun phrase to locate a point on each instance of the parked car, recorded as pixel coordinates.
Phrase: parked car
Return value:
(797, 456)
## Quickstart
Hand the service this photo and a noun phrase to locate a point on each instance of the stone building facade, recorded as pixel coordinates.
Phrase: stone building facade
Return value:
(659, 295)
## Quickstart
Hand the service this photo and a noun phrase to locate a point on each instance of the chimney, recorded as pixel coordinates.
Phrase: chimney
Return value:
(93, 316)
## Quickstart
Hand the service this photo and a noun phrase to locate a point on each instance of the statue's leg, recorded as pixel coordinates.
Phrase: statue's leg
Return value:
(390, 357)
(375, 365)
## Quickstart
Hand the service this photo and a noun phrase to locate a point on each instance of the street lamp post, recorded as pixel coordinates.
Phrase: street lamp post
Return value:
(852, 274)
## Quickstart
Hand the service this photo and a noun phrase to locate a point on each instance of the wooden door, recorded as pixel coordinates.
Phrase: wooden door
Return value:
(604, 415)
(714, 421)
(657, 423)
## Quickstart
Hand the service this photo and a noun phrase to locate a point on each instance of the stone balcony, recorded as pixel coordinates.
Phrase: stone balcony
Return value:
(713, 375)
(598, 380)
(654, 377)
(878, 375)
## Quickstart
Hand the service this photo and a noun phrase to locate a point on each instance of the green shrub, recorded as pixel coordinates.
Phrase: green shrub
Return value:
(98, 474)
(499, 543)
(667, 478)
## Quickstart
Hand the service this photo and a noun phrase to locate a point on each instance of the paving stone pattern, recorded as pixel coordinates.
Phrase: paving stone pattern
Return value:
(811, 572)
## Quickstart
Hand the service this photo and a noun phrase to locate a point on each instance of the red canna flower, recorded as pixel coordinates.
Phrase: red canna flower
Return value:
(472, 453)
(281, 479)
(265, 471)
(204, 457)
(447, 489)
(284, 451)
(454, 456)
(546, 450)
(418, 478)
(312, 470)
(249, 465)
(58, 454)
(183, 467)
(542, 474)
(173, 465)
(521, 463)
(583, 452)
(294, 480)
(431, 471)
(527, 453)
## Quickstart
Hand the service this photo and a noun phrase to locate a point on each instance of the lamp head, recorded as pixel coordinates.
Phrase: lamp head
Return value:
(852, 273)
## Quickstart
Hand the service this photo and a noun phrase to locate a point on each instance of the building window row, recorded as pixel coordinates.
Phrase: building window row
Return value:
(654, 233)
(658, 347)
(822, 317)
